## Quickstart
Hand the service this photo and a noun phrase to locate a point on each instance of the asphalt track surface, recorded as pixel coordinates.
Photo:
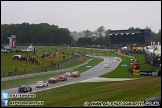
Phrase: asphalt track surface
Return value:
(91, 73)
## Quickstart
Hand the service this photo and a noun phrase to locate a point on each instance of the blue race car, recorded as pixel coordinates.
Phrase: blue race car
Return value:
(24, 88)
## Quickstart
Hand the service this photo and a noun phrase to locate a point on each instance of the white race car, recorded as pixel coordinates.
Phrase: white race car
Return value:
(41, 84)
(114, 61)
(67, 74)
(106, 66)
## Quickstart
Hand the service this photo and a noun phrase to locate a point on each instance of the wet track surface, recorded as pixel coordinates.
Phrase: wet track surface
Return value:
(91, 73)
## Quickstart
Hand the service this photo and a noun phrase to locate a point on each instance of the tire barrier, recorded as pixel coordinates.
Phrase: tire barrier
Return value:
(43, 73)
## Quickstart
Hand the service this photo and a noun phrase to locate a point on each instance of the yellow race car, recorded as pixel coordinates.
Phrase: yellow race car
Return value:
(75, 74)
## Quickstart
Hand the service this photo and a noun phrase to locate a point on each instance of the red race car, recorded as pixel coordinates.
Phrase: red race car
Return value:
(53, 80)
(62, 78)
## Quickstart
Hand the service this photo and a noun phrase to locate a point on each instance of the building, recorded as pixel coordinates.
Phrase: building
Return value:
(12, 46)
(129, 37)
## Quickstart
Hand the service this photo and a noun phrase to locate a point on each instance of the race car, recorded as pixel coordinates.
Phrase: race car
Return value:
(114, 61)
(117, 59)
(62, 78)
(67, 74)
(75, 74)
(106, 66)
(41, 84)
(24, 89)
(53, 80)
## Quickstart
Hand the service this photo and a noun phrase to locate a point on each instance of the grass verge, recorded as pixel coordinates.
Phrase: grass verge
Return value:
(33, 80)
(75, 95)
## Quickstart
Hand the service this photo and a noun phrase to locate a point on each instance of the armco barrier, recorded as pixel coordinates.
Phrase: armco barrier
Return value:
(43, 73)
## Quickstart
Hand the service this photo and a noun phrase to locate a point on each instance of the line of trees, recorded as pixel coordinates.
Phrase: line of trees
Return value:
(45, 34)
(36, 33)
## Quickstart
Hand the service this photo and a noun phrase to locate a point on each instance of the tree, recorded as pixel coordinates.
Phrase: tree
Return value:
(100, 32)
(147, 27)
(21, 36)
(74, 36)
(159, 36)
(107, 38)
(131, 28)
(87, 33)
(84, 41)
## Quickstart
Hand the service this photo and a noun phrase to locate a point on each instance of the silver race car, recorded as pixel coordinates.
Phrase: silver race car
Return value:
(41, 84)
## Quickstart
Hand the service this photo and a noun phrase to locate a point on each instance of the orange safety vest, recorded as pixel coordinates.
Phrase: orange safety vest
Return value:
(134, 66)
(81, 60)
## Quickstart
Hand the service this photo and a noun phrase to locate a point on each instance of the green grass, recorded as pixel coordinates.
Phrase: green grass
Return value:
(8, 64)
(77, 63)
(92, 63)
(145, 67)
(75, 95)
(26, 67)
(119, 72)
(140, 57)
(33, 80)
(122, 71)
(27, 81)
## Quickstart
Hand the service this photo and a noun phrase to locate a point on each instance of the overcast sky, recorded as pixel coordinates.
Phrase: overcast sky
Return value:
(84, 15)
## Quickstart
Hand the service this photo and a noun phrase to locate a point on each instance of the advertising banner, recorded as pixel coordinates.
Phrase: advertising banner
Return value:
(136, 72)
(13, 42)
(146, 73)
(155, 73)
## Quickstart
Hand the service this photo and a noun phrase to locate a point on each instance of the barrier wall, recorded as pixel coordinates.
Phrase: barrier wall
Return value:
(43, 73)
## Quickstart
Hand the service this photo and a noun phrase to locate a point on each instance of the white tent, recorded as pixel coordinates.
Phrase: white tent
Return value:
(30, 48)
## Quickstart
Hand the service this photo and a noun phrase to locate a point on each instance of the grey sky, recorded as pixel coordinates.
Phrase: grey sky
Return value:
(84, 15)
